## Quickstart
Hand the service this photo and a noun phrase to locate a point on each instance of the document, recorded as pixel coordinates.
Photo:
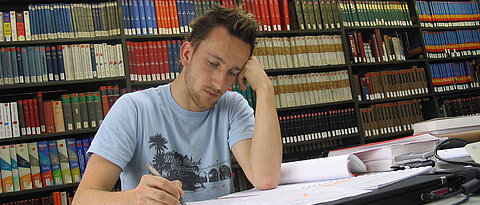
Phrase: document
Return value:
(316, 192)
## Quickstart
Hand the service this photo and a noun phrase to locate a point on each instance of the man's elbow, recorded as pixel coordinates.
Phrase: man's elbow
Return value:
(267, 182)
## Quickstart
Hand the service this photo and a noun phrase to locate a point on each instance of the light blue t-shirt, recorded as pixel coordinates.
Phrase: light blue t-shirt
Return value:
(193, 147)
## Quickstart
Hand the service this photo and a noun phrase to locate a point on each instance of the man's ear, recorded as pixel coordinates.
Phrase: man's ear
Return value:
(186, 52)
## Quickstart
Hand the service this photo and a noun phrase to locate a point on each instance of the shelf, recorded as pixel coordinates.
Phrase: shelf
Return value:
(449, 28)
(394, 99)
(47, 136)
(100, 39)
(150, 83)
(299, 32)
(388, 136)
(8, 88)
(380, 27)
(449, 59)
(413, 61)
(346, 102)
(27, 193)
(155, 37)
(274, 72)
(321, 140)
(456, 91)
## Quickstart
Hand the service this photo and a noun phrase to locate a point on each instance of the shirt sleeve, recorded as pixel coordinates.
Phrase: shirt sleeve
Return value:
(116, 138)
(241, 120)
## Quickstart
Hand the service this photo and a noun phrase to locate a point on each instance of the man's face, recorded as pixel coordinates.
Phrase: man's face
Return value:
(214, 67)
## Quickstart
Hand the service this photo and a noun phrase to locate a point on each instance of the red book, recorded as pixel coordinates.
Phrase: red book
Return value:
(265, 15)
(278, 20)
(167, 22)
(20, 26)
(49, 119)
(139, 60)
(166, 68)
(353, 48)
(28, 122)
(247, 6)
(378, 38)
(131, 61)
(146, 60)
(40, 111)
(57, 200)
(361, 48)
(271, 11)
(105, 106)
(284, 15)
(174, 16)
(159, 58)
(158, 17)
(258, 13)
(36, 116)
(153, 59)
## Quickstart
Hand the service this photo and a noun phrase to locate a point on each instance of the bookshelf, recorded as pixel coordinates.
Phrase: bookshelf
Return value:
(408, 24)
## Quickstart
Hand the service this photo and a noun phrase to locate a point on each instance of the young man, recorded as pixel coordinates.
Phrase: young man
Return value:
(187, 129)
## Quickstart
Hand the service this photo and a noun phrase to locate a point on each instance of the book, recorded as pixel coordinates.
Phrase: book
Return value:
(336, 167)
(35, 165)
(23, 161)
(381, 156)
(55, 162)
(81, 156)
(447, 125)
(14, 163)
(45, 163)
(64, 161)
(73, 160)
(6, 169)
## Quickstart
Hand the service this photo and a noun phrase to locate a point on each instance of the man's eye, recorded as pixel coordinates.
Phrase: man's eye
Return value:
(232, 73)
(212, 63)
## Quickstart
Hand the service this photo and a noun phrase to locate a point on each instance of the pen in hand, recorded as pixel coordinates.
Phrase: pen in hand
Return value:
(154, 172)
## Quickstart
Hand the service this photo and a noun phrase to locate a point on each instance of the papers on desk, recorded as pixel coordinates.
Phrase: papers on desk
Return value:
(316, 192)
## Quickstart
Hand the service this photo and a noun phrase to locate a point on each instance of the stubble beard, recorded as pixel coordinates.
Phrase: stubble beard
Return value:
(196, 94)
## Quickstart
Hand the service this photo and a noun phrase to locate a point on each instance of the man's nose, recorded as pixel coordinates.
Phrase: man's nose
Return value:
(218, 79)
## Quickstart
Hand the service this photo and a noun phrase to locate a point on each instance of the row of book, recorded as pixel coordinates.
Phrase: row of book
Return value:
(143, 17)
(455, 43)
(380, 119)
(316, 14)
(448, 13)
(375, 13)
(311, 88)
(462, 106)
(312, 148)
(375, 47)
(390, 83)
(314, 124)
(42, 164)
(154, 60)
(56, 198)
(56, 21)
(455, 76)
(299, 51)
(37, 64)
(73, 112)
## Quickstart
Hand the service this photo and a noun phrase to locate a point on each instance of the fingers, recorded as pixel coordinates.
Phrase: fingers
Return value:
(178, 183)
(162, 184)
(155, 196)
(241, 80)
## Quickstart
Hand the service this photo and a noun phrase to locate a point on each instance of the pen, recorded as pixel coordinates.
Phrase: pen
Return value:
(154, 172)
(410, 165)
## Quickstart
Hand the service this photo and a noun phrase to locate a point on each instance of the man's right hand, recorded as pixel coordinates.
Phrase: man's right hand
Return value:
(156, 189)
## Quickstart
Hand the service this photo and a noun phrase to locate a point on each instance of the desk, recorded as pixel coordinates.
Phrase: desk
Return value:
(409, 191)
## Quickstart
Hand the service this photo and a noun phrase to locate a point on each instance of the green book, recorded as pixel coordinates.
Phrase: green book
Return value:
(98, 108)
(336, 13)
(318, 14)
(82, 101)
(67, 112)
(299, 14)
(55, 162)
(77, 118)
(92, 115)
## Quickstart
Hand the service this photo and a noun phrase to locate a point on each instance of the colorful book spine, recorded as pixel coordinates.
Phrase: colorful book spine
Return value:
(23, 161)
(6, 169)
(73, 160)
(55, 161)
(82, 164)
(13, 160)
(64, 161)
(35, 165)
(45, 163)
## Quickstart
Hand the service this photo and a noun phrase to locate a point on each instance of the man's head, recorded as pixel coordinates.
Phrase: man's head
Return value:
(214, 54)
(237, 23)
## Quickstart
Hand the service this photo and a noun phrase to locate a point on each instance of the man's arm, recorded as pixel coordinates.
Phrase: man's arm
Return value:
(261, 156)
(101, 175)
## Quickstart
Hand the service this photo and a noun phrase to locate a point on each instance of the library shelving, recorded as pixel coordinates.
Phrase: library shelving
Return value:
(328, 46)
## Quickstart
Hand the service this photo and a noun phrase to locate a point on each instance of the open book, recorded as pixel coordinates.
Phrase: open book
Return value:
(328, 168)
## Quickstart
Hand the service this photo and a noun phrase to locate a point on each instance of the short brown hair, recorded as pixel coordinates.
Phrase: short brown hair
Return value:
(239, 24)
